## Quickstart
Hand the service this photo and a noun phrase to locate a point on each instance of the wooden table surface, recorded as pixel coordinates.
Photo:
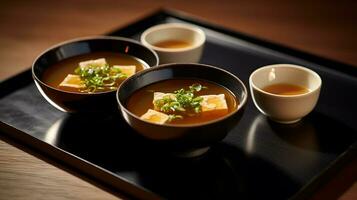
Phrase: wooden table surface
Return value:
(326, 28)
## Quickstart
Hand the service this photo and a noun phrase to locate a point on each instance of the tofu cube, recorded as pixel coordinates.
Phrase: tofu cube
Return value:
(128, 70)
(101, 62)
(73, 81)
(214, 104)
(155, 117)
(161, 95)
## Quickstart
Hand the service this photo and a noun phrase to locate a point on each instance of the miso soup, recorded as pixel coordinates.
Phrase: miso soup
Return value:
(93, 72)
(182, 101)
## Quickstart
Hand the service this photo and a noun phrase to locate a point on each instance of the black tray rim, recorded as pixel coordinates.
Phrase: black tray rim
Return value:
(112, 182)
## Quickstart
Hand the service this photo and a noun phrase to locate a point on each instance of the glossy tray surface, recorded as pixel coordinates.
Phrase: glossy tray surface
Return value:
(259, 159)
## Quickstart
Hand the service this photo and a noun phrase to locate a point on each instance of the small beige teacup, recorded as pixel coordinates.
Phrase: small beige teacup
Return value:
(291, 106)
(175, 42)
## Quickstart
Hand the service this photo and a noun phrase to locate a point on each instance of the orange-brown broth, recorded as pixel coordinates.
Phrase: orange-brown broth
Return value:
(174, 44)
(286, 89)
(139, 102)
(55, 74)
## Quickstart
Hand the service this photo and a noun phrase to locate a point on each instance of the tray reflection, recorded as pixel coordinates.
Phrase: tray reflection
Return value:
(316, 133)
(300, 149)
(232, 169)
(228, 169)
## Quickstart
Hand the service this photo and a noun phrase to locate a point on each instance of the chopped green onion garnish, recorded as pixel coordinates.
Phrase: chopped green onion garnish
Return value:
(182, 101)
(99, 78)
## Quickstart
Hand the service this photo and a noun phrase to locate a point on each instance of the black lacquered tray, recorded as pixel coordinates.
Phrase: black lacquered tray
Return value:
(259, 159)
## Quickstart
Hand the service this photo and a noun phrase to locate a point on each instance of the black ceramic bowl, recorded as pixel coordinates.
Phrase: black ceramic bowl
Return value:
(183, 137)
(83, 102)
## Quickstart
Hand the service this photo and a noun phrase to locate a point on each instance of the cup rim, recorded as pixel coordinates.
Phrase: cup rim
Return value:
(99, 37)
(163, 66)
(299, 67)
(169, 26)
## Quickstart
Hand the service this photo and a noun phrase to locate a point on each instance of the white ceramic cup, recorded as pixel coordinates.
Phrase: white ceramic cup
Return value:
(175, 31)
(285, 108)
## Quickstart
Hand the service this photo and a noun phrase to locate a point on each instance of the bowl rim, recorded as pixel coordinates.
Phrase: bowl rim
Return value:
(169, 65)
(167, 26)
(85, 38)
(292, 66)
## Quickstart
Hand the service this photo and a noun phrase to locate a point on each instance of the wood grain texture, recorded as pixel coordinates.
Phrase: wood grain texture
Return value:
(326, 28)
(23, 176)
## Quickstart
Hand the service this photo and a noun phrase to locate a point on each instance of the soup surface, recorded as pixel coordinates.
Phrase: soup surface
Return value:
(56, 74)
(286, 89)
(162, 102)
(174, 44)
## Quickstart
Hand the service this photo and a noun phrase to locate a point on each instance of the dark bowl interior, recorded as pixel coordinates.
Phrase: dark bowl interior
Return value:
(183, 136)
(81, 102)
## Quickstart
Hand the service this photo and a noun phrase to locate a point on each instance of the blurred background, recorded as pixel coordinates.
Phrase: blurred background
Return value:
(327, 28)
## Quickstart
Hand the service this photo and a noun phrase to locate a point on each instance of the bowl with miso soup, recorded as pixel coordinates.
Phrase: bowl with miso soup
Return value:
(82, 75)
(186, 107)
